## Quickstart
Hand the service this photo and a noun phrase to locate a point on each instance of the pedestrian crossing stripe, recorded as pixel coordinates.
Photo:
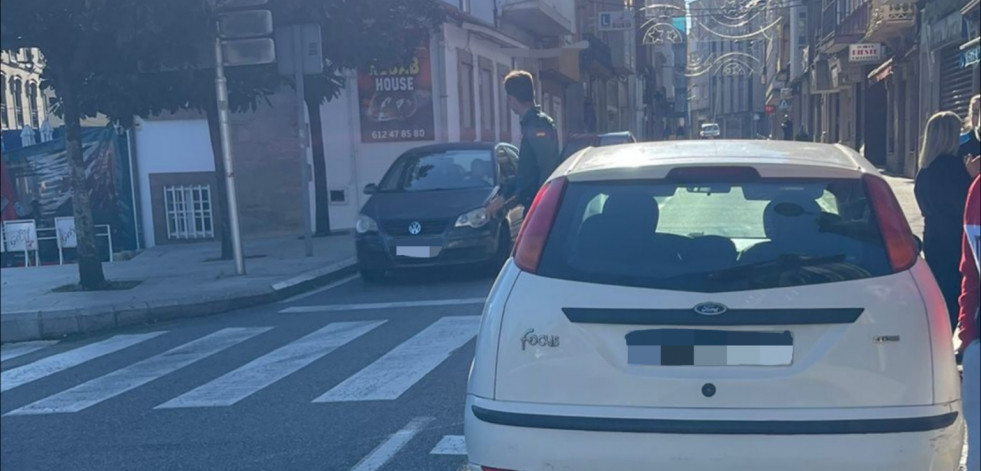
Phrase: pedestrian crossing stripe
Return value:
(62, 361)
(395, 372)
(133, 376)
(387, 378)
(272, 367)
(450, 445)
(9, 352)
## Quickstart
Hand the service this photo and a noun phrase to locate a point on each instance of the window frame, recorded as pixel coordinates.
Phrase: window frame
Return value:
(465, 81)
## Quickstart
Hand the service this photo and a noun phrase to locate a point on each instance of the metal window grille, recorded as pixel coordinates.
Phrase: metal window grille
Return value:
(189, 212)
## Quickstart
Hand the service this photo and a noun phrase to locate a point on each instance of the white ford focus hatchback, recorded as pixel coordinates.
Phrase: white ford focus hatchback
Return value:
(715, 305)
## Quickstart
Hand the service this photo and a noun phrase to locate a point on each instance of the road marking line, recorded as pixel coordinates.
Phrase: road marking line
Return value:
(394, 305)
(9, 352)
(272, 367)
(451, 445)
(320, 290)
(395, 372)
(133, 376)
(62, 361)
(314, 274)
(390, 447)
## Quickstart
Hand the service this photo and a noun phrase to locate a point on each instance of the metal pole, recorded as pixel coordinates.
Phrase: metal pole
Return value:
(224, 126)
(302, 131)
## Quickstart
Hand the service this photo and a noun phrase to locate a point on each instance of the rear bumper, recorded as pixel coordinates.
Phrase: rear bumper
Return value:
(510, 436)
(455, 247)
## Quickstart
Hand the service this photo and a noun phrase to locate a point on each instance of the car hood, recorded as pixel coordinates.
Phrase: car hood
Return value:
(443, 204)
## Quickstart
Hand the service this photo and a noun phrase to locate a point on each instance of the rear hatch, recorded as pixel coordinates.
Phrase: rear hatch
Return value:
(734, 292)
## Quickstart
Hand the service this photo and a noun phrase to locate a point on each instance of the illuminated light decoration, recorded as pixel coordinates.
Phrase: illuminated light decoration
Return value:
(661, 33)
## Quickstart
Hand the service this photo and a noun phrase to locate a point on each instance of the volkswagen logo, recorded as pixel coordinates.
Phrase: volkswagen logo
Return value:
(711, 309)
(415, 228)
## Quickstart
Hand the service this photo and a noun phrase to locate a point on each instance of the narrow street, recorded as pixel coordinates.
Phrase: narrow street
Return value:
(361, 377)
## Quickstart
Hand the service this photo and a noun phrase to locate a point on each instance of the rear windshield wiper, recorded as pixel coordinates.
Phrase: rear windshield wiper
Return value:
(780, 263)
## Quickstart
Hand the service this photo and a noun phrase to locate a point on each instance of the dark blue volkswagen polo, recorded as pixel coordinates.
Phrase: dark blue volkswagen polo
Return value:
(444, 204)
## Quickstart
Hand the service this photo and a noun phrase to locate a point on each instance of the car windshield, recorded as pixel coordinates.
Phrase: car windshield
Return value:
(447, 170)
(715, 237)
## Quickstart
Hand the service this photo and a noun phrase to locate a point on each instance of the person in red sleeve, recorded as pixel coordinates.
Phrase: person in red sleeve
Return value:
(970, 300)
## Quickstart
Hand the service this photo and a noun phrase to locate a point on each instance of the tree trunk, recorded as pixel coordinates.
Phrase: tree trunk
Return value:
(221, 198)
(321, 196)
(90, 275)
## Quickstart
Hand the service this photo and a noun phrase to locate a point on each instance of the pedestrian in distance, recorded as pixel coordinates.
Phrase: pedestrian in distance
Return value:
(941, 191)
(970, 300)
(970, 149)
(788, 129)
(539, 152)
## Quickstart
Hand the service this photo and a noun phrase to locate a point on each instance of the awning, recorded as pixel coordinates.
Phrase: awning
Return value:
(881, 72)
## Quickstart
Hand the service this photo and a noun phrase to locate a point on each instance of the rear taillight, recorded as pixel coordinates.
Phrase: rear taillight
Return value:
(901, 246)
(538, 223)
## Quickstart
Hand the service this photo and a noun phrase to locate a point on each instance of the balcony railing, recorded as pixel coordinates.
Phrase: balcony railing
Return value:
(840, 27)
(889, 19)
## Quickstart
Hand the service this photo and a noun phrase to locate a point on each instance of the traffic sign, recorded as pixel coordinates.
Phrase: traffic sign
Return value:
(786, 92)
(245, 24)
(310, 44)
(784, 104)
(616, 20)
(770, 109)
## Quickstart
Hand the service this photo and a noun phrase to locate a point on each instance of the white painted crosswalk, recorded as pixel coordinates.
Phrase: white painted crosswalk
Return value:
(450, 445)
(268, 369)
(113, 384)
(388, 377)
(9, 352)
(34, 371)
(403, 366)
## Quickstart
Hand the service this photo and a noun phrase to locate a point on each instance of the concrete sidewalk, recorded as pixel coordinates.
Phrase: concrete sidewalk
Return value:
(176, 281)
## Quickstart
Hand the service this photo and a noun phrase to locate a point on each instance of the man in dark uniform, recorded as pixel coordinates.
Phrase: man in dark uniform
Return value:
(539, 153)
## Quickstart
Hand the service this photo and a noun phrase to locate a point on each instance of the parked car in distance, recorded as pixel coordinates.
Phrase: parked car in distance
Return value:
(578, 142)
(756, 305)
(710, 130)
(444, 204)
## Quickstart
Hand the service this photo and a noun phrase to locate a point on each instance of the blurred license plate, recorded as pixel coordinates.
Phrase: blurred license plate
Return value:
(417, 252)
(688, 347)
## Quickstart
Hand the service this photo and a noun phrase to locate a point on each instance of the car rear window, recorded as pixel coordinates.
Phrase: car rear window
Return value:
(448, 170)
(715, 237)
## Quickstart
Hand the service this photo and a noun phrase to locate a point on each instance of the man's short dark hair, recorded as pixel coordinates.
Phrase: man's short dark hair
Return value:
(520, 85)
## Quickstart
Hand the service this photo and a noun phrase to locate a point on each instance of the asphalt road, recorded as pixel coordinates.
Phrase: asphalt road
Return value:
(355, 377)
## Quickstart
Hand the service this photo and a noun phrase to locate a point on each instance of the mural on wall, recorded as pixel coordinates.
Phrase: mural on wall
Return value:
(397, 104)
(41, 185)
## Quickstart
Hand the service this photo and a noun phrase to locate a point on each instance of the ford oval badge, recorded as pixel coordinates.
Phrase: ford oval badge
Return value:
(711, 309)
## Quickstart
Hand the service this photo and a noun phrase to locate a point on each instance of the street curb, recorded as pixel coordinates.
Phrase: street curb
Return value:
(55, 324)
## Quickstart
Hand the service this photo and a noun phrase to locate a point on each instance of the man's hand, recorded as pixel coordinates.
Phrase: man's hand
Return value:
(973, 164)
(495, 204)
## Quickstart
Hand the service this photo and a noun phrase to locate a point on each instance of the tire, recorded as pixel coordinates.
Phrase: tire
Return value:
(371, 276)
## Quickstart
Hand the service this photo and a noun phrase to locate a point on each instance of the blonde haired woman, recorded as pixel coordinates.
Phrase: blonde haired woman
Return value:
(941, 191)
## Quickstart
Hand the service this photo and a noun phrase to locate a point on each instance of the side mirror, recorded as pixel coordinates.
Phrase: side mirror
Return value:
(370, 189)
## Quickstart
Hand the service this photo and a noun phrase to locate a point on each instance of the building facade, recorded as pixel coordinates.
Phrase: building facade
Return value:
(22, 102)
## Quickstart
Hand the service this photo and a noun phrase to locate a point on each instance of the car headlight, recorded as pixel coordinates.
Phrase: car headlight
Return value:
(365, 224)
(476, 219)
